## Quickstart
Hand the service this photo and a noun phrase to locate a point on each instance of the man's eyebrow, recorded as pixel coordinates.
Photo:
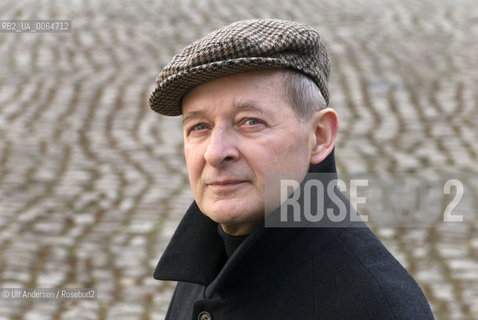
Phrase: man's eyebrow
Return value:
(202, 113)
(193, 115)
(247, 106)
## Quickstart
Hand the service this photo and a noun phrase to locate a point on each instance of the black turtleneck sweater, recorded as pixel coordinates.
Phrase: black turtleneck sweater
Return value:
(231, 243)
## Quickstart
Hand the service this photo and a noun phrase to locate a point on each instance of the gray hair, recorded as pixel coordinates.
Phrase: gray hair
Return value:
(303, 94)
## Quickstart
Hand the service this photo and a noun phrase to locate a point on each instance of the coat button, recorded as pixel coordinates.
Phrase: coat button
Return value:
(204, 316)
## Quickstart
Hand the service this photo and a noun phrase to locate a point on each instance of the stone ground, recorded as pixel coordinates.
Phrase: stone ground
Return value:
(92, 183)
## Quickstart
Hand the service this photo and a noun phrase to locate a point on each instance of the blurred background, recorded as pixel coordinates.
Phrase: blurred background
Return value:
(93, 183)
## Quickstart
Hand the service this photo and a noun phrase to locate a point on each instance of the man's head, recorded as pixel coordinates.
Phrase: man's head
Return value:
(242, 123)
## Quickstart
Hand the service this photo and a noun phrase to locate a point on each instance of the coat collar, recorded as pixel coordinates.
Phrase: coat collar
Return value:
(196, 251)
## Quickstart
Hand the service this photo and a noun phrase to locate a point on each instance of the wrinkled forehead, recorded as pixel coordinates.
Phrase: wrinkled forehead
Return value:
(250, 91)
(242, 86)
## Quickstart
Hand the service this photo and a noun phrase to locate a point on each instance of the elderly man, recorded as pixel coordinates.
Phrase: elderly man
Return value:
(254, 101)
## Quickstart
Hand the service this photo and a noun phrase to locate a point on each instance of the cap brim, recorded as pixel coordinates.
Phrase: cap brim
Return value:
(166, 98)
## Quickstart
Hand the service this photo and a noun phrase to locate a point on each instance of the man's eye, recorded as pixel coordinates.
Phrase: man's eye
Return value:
(198, 127)
(252, 122)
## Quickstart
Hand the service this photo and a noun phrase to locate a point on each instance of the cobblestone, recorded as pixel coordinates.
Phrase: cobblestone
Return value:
(93, 183)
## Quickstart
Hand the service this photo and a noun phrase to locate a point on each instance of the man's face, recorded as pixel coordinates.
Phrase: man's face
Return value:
(236, 130)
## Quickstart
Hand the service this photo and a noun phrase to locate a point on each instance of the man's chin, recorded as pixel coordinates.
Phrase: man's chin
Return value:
(229, 214)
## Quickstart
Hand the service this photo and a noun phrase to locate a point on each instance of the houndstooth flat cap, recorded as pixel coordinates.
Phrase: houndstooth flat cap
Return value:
(242, 46)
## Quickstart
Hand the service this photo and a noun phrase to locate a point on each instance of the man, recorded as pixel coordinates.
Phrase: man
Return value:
(254, 101)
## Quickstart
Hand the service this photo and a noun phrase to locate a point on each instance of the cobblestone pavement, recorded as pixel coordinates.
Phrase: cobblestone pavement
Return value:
(92, 183)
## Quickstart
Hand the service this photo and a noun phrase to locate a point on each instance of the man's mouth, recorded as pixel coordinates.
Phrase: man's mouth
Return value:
(225, 184)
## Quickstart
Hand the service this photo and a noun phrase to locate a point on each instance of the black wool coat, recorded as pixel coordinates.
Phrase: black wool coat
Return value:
(336, 273)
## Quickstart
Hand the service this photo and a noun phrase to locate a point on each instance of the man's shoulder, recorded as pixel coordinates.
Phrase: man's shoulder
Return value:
(358, 274)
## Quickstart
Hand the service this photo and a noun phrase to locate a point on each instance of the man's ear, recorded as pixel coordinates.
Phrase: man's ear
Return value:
(325, 124)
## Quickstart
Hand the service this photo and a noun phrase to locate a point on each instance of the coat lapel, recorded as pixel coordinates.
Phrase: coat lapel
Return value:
(195, 253)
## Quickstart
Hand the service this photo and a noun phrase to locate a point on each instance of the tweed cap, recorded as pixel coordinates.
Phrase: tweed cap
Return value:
(242, 46)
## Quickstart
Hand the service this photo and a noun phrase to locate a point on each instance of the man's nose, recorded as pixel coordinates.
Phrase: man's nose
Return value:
(221, 148)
